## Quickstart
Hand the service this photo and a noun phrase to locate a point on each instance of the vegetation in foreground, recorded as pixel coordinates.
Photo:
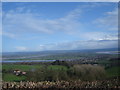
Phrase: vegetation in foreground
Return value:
(82, 72)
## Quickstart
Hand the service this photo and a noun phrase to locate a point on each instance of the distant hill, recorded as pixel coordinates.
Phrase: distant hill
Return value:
(49, 52)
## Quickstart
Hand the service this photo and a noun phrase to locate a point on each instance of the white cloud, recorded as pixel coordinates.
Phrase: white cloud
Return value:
(10, 35)
(110, 21)
(32, 23)
(78, 45)
(21, 48)
(28, 22)
(16, 23)
(101, 36)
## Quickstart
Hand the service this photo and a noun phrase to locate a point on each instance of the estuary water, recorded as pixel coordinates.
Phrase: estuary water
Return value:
(25, 61)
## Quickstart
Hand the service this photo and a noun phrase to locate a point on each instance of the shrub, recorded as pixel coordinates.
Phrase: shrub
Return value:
(87, 72)
(45, 74)
(82, 72)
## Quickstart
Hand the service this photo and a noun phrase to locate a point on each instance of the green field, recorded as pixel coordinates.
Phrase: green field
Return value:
(9, 76)
(30, 67)
(20, 67)
(57, 67)
(113, 71)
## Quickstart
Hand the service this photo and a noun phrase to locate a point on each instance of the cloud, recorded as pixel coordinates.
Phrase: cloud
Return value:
(29, 22)
(94, 40)
(101, 36)
(78, 45)
(22, 21)
(32, 23)
(10, 35)
(109, 21)
(21, 48)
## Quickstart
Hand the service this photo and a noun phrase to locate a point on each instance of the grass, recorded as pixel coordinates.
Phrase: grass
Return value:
(11, 77)
(103, 62)
(20, 67)
(57, 67)
(113, 71)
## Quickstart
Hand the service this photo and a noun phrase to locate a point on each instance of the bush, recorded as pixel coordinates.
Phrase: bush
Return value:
(82, 72)
(45, 74)
(63, 63)
(87, 72)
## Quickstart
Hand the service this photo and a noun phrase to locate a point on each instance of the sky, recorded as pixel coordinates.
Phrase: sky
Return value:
(60, 0)
(39, 26)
